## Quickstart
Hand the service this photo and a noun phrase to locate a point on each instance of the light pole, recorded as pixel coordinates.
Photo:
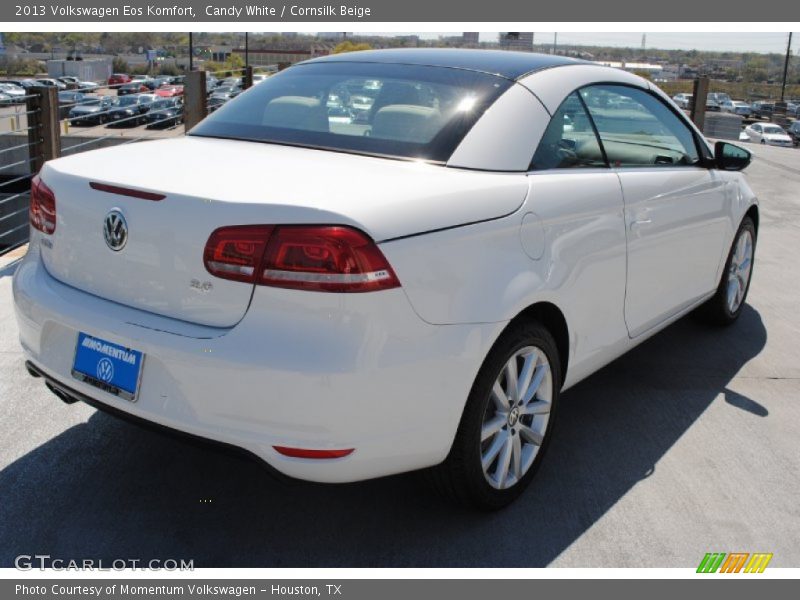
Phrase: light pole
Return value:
(786, 65)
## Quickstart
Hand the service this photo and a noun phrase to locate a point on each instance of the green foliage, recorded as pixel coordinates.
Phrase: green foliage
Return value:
(348, 46)
(119, 65)
(20, 67)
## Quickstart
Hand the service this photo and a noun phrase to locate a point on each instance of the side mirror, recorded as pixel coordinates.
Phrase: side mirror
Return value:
(730, 157)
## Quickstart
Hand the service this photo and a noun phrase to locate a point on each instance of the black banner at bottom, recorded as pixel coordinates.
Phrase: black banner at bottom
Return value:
(733, 587)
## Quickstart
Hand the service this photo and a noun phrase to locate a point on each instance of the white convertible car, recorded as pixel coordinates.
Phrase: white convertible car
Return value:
(409, 288)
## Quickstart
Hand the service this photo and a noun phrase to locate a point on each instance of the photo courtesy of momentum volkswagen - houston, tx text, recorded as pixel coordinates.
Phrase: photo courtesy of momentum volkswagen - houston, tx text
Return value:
(493, 229)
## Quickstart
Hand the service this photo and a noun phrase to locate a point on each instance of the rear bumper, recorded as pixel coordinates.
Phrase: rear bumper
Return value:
(302, 369)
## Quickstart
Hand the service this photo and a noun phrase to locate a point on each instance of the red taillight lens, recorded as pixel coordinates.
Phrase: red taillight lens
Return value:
(324, 258)
(236, 252)
(43, 206)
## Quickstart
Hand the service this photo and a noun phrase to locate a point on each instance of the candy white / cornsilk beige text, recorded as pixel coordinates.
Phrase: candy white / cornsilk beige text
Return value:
(267, 10)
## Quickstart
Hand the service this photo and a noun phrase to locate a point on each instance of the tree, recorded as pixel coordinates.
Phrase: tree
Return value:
(119, 65)
(348, 46)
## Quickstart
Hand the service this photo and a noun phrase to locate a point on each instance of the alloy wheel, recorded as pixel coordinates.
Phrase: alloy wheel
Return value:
(739, 270)
(516, 417)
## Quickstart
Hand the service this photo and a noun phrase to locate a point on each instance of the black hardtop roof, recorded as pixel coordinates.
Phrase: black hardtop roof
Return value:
(508, 64)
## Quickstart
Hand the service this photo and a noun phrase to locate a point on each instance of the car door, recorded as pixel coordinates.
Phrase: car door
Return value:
(755, 132)
(676, 209)
(575, 204)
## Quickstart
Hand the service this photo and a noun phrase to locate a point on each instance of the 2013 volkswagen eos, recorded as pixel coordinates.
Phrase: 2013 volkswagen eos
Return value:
(384, 261)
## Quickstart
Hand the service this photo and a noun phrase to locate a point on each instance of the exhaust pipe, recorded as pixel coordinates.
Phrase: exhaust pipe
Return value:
(62, 395)
(65, 398)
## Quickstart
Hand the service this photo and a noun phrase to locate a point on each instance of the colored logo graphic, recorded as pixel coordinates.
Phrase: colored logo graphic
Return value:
(105, 370)
(736, 562)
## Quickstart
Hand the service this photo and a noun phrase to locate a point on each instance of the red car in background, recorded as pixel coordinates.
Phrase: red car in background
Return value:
(169, 91)
(119, 78)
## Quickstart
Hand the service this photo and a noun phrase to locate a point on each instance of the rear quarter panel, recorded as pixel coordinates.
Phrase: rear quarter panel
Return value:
(566, 246)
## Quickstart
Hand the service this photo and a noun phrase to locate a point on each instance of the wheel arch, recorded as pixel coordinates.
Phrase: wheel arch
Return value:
(752, 212)
(552, 317)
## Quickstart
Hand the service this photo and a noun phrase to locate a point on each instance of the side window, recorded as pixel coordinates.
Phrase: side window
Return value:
(637, 129)
(569, 140)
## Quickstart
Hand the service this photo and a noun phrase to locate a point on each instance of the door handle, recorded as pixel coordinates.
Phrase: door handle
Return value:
(640, 223)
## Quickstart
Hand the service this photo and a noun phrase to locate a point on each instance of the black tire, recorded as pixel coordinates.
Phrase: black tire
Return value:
(460, 477)
(716, 309)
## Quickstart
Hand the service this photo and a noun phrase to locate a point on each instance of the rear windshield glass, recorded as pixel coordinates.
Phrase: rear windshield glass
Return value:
(382, 109)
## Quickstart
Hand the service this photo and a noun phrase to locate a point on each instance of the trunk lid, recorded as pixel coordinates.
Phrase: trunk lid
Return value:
(210, 183)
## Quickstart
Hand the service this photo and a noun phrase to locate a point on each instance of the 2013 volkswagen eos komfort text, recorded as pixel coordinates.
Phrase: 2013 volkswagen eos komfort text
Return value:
(384, 261)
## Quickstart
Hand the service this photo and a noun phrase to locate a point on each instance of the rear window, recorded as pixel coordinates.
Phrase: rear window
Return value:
(394, 110)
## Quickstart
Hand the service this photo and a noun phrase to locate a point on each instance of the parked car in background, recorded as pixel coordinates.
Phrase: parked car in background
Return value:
(169, 91)
(73, 83)
(66, 100)
(683, 100)
(162, 80)
(719, 97)
(14, 82)
(129, 111)
(414, 298)
(164, 112)
(794, 132)
(231, 82)
(258, 78)
(761, 109)
(134, 87)
(792, 109)
(23, 83)
(736, 107)
(91, 111)
(712, 106)
(211, 84)
(15, 93)
(119, 78)
(5, 98)
(48, 82)
(221, 95)
(769, 134)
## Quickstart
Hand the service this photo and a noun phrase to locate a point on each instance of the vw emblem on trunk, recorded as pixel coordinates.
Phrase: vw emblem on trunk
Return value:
(115, 230)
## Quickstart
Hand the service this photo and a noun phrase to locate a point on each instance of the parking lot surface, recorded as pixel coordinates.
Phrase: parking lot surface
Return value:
(687, 445)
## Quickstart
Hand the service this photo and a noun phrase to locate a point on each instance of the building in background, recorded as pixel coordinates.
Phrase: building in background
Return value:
(88, 69)
(516, 40)
(267, 57)
(470, 38)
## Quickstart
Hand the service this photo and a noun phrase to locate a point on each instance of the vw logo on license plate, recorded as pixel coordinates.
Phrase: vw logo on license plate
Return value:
(105, 370)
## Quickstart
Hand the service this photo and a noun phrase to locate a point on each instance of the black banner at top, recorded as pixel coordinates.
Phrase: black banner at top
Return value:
(320, 11)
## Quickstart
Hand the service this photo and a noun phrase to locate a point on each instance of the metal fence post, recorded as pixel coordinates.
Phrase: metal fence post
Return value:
(699, 97)
(247, 77)
(196, 106)
(44, 134)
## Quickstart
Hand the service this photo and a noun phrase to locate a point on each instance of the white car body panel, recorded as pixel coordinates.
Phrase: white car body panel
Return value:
(620, 253)
(499, 143)
(551, 86)
(337, 372)
(676, 239)
(385, 198)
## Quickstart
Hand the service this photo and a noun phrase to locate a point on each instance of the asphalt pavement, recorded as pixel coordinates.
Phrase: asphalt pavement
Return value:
(689, 444)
